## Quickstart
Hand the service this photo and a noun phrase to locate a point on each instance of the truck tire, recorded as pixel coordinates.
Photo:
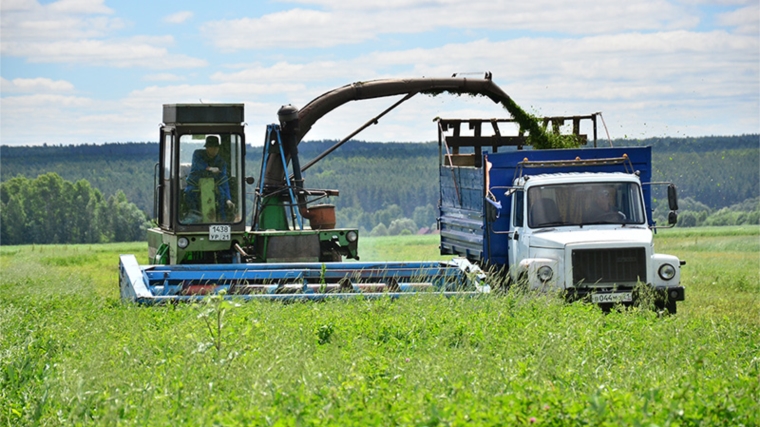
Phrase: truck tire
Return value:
(669, 306)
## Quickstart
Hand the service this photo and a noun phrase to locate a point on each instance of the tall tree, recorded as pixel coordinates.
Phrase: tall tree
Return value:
(51, 210)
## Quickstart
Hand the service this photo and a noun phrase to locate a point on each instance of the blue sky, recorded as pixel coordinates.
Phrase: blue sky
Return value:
(95, 71)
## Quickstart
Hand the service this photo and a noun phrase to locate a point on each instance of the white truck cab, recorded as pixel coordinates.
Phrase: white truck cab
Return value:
(587, 234)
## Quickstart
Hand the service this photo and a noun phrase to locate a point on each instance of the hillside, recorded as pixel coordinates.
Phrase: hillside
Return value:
(717, 171)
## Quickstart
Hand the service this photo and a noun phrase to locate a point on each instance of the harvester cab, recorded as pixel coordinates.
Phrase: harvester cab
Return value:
(198, 181)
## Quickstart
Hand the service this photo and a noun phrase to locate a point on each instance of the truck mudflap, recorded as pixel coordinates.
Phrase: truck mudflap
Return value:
(156, 284)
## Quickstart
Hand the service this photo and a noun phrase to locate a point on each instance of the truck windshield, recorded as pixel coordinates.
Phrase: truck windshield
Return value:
(210, 179)
(585, 203)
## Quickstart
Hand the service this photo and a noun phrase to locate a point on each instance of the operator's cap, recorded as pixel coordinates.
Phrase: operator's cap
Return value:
(212, 141)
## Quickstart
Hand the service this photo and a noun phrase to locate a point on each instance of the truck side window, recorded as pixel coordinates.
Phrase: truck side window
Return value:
(519, 197)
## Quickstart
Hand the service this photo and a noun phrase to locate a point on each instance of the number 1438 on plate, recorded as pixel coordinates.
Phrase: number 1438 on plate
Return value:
(219, 232)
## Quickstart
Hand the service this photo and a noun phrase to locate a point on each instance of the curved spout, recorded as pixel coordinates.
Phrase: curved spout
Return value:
(333, 99)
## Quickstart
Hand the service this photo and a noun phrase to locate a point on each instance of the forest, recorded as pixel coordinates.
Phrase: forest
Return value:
(392, 188)
(48, 209)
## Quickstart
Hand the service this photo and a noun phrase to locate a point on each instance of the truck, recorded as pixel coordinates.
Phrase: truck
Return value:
(291, 248)
(576, 221)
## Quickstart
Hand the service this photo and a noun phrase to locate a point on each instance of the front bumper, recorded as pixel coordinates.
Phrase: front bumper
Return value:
(657, 295)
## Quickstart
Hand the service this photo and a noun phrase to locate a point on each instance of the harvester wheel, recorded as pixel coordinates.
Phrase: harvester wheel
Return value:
(331, 256)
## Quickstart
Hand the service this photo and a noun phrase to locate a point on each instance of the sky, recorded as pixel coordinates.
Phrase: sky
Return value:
(99, 71)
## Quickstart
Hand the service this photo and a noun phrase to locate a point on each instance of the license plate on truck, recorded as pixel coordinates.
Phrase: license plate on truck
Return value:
(612, 297)
(219, 232)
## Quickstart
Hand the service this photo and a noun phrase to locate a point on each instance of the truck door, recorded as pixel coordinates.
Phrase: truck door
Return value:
(518, 239)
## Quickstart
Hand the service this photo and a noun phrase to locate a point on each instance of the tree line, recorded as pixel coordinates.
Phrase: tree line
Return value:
(718, 171)
(692, 213)
(48, 209)
(393, 187)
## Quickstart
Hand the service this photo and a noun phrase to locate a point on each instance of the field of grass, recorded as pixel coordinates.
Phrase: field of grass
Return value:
(72, 354)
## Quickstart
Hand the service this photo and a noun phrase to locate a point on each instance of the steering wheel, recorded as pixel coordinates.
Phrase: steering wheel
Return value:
(613, 216)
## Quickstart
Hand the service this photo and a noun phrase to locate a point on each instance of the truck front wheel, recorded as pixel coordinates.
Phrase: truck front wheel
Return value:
(669, 305)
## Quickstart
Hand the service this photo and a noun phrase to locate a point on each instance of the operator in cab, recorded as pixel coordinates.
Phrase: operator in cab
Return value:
(602, 207)
(207, 163)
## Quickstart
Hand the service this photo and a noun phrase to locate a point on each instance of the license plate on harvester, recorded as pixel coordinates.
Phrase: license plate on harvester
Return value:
(219, 232)
(613, 297)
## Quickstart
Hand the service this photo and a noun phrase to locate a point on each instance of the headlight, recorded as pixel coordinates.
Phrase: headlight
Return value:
(352, 236)
(182, 242)
(667, 271)
(545, 273)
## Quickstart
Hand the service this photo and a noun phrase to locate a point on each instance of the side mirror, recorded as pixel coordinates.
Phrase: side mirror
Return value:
(493, 209)
(672, 197)
(672, 218)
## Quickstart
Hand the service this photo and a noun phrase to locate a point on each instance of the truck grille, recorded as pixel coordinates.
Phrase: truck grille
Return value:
(609, 266)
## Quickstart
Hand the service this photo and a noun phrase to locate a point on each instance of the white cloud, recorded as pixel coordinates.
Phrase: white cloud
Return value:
(80, 32)
(28, 21)
(60, 6)
(649, 75)
(646, 85)
(62, 124)
(649, 60)
(17, 5)
(163, 77)
(126, 53)
(33, 102)
(35, 85)
(79, 6)
(309, 28)
(179, 17)
(746, 20)
(339, 24)
(223, 92)
(717, 2)
(298, 72)
(643, 63)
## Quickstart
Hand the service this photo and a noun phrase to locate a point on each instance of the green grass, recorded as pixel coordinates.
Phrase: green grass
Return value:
(72, 354)
(401, 248)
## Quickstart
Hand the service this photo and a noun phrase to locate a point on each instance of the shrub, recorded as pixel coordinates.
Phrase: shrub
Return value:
(379, 230)
(398, 226)
(687, 219)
